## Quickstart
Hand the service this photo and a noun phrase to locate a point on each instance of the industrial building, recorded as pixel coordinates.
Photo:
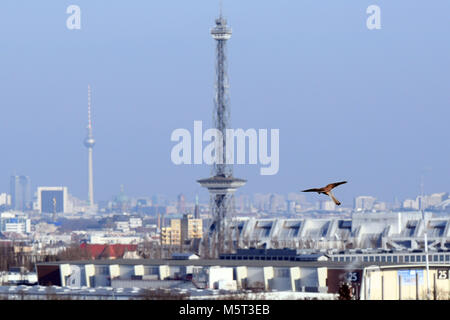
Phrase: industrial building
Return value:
(386, 230)
(406, 282)
(189, 273)
(348, 256)
(315, 274)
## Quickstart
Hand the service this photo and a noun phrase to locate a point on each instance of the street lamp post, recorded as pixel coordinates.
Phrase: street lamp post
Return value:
(426, 253)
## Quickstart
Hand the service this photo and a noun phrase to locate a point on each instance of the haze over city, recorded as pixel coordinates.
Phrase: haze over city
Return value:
(241, 152)
(370, 108)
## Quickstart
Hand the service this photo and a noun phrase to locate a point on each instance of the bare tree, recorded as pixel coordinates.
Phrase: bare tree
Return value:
(161, 294)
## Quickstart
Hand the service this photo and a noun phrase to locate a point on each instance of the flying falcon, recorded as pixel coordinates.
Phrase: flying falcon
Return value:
(327, 190)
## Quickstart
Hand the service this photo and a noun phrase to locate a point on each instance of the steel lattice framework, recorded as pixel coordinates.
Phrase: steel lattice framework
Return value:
(222, 184)
(221, 116)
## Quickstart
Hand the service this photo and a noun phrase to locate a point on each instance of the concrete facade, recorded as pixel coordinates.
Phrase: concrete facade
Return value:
(388, 230)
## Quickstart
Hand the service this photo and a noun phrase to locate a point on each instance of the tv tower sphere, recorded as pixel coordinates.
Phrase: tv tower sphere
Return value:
(89, 142)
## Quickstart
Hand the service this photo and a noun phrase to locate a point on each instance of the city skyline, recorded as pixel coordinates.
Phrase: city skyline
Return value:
(245, 203)
(388, 131)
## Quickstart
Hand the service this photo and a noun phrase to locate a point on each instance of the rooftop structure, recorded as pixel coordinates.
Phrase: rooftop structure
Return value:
(200, 275)
(390, 230)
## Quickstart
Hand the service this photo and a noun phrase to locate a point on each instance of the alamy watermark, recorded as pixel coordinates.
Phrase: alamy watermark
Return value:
(73, 22)
(235, 140)
(374, 20)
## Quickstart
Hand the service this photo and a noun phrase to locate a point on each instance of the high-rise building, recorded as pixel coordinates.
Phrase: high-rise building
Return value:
(5, 200)
(327, 205)
(436, 198)
(21, 193)
(181, 204)
(196, 208)
(171, 235)
(362, 203)
(191, 228)
(182, 230)
(426, 201)
(52, 199)
(410, 204)
(291, 206)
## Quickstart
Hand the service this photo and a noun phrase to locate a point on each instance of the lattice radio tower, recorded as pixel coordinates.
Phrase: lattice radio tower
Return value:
(221, 185)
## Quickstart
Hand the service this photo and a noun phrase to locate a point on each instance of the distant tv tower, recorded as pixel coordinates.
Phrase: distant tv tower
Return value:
(222, 185)
(89, 142)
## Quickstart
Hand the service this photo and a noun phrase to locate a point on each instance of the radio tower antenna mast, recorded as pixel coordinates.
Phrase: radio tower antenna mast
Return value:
(221, 185)
(89, 143)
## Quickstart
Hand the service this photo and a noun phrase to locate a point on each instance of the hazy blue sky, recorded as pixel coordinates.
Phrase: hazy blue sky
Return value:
(370, 107)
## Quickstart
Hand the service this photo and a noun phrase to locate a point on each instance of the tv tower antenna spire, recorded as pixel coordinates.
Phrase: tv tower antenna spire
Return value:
(89, 143)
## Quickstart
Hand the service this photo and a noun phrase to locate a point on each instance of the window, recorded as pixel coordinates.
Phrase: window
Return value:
(197, 270)
(413, 258)
(435, 258)
(383, 259)
(406, 258)
(102, 270)
(441, 257)
(347, 259)
(447, 257)
(371, 259)
(282, 273)
(377, 258)
(394, 258)
(389, 259)
(366, 259)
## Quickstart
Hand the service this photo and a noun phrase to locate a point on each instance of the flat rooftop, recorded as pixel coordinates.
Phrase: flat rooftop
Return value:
(223, 263)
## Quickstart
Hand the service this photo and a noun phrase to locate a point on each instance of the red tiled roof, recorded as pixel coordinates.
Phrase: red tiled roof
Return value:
(110, 251)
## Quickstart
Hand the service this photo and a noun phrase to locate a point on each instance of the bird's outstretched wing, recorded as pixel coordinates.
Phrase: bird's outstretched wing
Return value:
(334, 185)
(312, 190)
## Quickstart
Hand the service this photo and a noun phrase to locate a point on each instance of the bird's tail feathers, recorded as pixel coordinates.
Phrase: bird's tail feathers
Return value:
(334, 199)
